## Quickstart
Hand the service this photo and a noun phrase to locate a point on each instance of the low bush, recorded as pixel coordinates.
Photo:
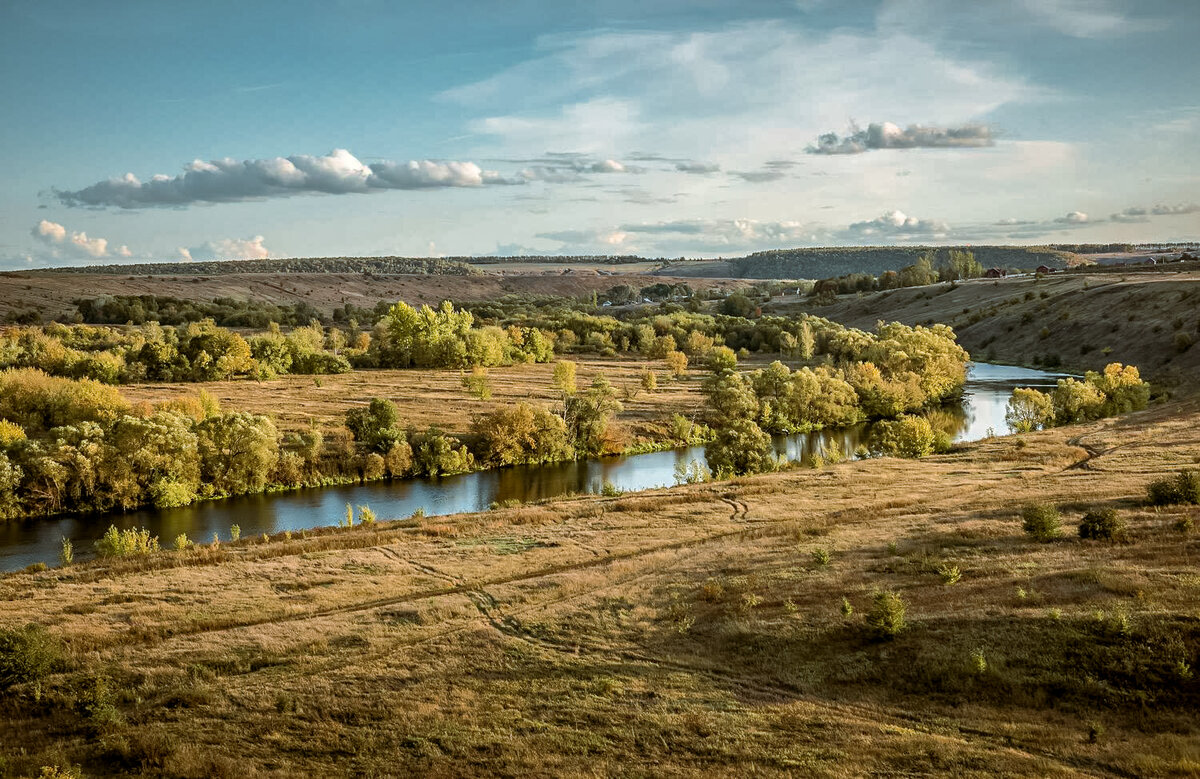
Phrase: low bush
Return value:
(1041, 521)
(126, 543)
(1102, 525)
(1183, 488)
(886, 617)
(28, 654)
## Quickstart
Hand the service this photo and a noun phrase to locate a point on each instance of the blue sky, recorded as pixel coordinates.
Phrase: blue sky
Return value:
(148, 130)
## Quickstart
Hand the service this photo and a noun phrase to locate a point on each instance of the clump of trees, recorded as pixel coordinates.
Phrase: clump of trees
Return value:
(191, 352)
(1119, 389)
(892, 373)
(77, 445)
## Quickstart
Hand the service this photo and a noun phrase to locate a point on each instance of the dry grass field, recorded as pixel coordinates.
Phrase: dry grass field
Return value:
(437, 397)
(1084, 320)
(701, 630)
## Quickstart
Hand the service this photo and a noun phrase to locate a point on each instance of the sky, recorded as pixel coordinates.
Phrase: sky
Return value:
(138, 130)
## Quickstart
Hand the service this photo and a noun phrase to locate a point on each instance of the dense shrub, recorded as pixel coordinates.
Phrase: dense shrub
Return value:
(28, 654)
(376, 427)
(908, 436)
(1102, 525)
(885, 618)
(1029, 410)
(1184, 487)
(738, 447)
(521, 434)
(1041, 521)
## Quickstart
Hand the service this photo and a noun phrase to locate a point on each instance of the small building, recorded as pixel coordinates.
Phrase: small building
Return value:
(995, 273)
(1044, 269)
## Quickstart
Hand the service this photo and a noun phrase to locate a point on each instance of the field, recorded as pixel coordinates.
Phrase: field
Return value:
(696, 631)
(437, 397)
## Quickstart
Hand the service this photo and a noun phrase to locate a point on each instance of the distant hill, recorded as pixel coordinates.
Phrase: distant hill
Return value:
(382, 265)
(836, 261)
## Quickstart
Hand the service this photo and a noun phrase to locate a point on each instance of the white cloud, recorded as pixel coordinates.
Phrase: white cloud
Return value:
(1084, 18)
(1088, 19)
(571, 167)
(747, 90)
(227, 249)
(68, 243)
(697, 168)
(1073, 218)
(228, 180)
(891, 136)
(1175, 210)
(896, 226)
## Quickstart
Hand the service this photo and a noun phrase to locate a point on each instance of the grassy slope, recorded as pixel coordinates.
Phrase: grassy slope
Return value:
(1135, 317)
(680, 632)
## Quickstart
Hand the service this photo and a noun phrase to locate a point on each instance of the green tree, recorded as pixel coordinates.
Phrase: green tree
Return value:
(1029, 410)
(376, 427)
(588, 415)
(740, 447)
(238, 451)
(564, 377)
(521, 434)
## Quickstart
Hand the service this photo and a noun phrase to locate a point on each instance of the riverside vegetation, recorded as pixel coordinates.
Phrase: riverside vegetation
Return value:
(70, 441)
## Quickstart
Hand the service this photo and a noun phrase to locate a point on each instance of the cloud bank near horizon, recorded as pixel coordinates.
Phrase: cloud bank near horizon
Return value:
(229, 180)
(887, 135)
(62, 242)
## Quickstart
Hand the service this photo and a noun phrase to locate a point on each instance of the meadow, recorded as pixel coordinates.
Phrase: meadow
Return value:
(695, 631)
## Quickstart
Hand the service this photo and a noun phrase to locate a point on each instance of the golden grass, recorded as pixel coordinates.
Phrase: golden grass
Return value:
(692, 631)
(437, 397)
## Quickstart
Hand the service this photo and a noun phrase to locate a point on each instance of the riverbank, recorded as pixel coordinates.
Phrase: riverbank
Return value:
(32, 542)
(698, 630)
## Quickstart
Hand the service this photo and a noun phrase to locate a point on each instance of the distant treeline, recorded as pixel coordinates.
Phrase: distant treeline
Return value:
(875, 260)
(1094, 248)
(381, 265)
(558, 259)
(956, 266)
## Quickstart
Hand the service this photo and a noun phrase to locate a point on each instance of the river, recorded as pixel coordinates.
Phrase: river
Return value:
(23, 542)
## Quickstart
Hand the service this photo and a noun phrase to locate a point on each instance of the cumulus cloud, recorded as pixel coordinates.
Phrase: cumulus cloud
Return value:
(229, 180)
(697, 168)
(1175, 210)
(68, 243)
(227, 249)
(1073, 218)
(568, 167)
(1130, 216)
(896, 226)
(758, 176)
(891, 136)
(1138, 214)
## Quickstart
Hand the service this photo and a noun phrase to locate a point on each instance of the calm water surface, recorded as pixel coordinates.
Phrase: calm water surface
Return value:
(24, 542)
